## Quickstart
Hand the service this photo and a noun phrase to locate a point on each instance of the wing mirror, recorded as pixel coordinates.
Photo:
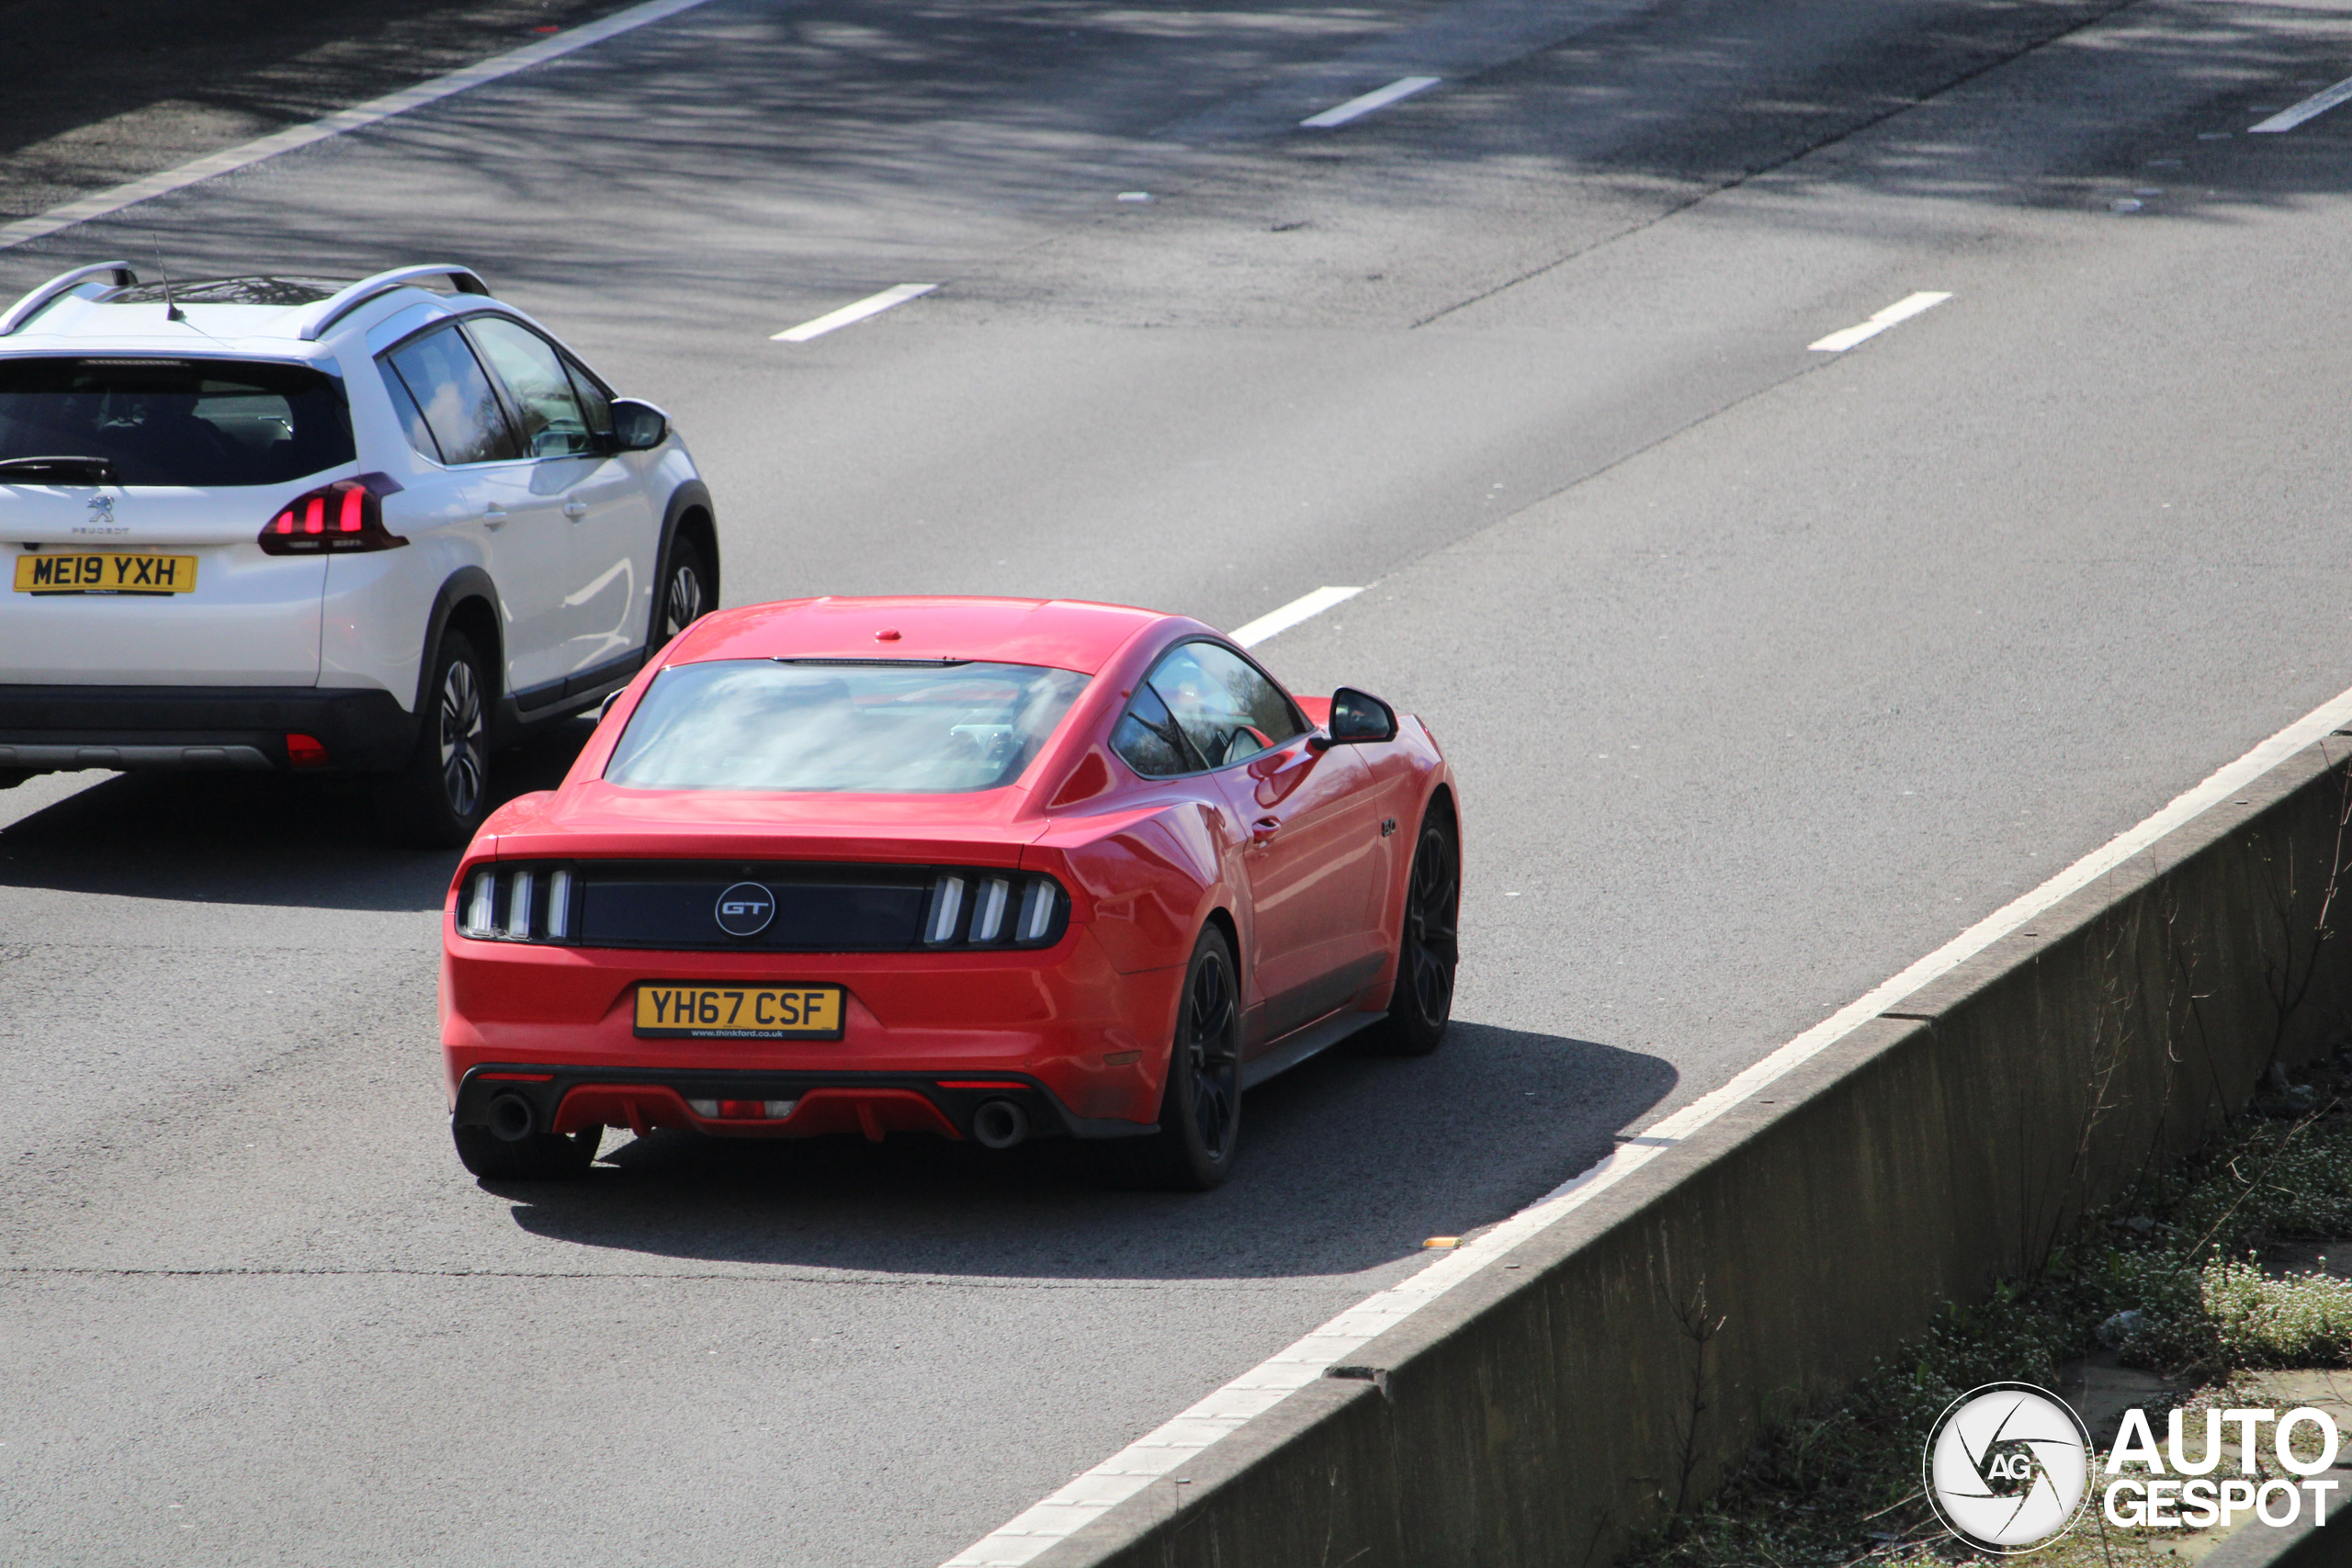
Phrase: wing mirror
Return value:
(637, 426)
(1358, 717)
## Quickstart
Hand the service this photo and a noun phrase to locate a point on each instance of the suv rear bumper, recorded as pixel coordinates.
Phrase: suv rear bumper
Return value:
(47, 728)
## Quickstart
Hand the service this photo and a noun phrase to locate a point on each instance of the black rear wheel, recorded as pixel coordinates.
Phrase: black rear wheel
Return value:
(441, 797)
(686, 590)
(1427, 949)
(536, 1157)
(1199, 1107)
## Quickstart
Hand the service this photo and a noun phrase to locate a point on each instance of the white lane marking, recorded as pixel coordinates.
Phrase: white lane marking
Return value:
(359, 116)
(2310, 108)
(1305, 607)
(871, 304)
(1379, 98)
(1179, 1441)
(1902, 310)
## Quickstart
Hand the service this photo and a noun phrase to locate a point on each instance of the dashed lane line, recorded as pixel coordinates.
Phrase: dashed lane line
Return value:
(1378, 98)
(1305, 607)
(1902, 310)
(2310, 108)
(849, 315)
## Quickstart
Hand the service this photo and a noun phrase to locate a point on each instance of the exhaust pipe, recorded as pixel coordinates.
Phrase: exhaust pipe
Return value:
(1000, 1125)
(511, 1118)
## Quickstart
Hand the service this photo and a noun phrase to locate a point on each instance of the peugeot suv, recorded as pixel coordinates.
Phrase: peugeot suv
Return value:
(376, 528)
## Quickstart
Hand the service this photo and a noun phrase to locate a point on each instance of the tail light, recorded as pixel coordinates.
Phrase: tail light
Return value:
(985, 908)
(516, 903)
(345, 516)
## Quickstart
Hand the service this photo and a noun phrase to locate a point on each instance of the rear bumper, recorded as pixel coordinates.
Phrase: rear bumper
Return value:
(1090, 1038)
(572, 1099)
(47, 728)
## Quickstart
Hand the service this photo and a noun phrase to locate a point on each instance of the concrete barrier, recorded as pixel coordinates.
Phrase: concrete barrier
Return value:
(1555, 1404)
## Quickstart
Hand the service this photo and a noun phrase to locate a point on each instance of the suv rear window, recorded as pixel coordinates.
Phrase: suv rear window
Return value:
(879, 727)
(177, 422)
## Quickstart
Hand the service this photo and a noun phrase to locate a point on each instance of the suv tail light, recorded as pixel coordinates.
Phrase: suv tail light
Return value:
(345, 515)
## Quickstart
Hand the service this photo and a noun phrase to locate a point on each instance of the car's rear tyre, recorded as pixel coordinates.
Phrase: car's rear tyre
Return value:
(686, 590)
(440, 799)
(1200, 1106)
(537, 1157)
(1427, 949)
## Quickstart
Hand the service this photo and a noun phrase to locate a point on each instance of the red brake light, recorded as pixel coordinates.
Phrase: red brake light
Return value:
(345, 515)
(306, 751)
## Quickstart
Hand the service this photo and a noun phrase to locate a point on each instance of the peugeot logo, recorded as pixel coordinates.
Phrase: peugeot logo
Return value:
(745, 909)
(101, 508)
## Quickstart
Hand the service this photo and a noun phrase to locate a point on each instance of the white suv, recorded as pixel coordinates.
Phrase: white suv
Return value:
(277, 523)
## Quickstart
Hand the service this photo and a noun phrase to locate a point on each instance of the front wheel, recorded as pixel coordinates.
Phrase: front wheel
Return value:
(1428, 948)
(443, 794)
(1200, 1106)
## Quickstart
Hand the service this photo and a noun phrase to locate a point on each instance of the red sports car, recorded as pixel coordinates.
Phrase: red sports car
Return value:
(986, 868)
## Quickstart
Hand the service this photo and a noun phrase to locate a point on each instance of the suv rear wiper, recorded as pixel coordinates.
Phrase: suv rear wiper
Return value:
(71, 471)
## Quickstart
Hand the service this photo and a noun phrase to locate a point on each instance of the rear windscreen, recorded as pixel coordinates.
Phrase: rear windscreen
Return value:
(884, 728)
(171, 422)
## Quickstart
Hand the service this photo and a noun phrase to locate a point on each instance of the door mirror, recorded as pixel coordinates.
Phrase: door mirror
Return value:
(1359, 717)
(638, 427)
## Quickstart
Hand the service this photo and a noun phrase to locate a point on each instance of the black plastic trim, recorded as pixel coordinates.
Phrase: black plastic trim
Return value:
(703, 1083)
(364, 730)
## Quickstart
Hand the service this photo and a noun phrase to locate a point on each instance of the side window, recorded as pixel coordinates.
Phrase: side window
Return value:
(594, 401)
(553, 425)
(452, 392)
(1226, 709)
(420, 434)
(1148, 740)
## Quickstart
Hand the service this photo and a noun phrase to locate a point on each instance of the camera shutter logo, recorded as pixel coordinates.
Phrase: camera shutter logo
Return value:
(2008, 1467)
(745, 909)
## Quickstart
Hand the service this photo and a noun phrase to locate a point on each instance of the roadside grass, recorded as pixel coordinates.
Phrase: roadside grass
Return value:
(2167, 1277)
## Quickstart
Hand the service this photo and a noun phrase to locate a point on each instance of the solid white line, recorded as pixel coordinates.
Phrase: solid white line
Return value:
(360, 115)
(2310, 108)
(1305, 607)
(1379, 98)
(1902, 310)
(871, 304)
(1134, 1467)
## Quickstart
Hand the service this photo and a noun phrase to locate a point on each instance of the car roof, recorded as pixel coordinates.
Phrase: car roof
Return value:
(270, 317)
(1067, 634)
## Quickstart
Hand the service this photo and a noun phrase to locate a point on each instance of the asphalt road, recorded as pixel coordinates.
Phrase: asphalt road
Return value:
(1765, 670)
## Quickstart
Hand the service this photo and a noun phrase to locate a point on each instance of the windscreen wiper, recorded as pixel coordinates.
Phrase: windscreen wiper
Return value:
(69, 470)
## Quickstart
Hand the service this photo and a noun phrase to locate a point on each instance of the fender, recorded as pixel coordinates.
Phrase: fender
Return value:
(466, 582)
(690, 496)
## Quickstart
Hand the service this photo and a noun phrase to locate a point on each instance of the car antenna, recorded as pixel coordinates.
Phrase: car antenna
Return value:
(172, 311)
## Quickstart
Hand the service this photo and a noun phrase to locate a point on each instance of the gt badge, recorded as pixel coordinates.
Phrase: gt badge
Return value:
(745, 909)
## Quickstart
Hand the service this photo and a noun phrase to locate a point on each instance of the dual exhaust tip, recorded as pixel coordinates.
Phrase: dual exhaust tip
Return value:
(997, 1124)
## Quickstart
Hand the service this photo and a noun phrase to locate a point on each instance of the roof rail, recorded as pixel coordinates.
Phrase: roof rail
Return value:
(335, 307)
(117, 274)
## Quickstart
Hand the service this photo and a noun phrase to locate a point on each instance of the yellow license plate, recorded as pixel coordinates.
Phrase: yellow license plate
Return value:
(111, 572)
(738, 1013)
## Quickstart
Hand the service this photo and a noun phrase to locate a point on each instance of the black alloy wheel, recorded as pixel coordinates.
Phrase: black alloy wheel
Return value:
(1427, 949)
(441, 797)
(684, 592)
(1199, 1107)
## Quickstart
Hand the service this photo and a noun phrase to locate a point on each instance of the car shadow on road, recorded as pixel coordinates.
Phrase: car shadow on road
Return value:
(250, 838)
(1347, 1163)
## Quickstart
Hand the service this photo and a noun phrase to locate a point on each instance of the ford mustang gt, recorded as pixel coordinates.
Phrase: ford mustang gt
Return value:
(992, 869)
